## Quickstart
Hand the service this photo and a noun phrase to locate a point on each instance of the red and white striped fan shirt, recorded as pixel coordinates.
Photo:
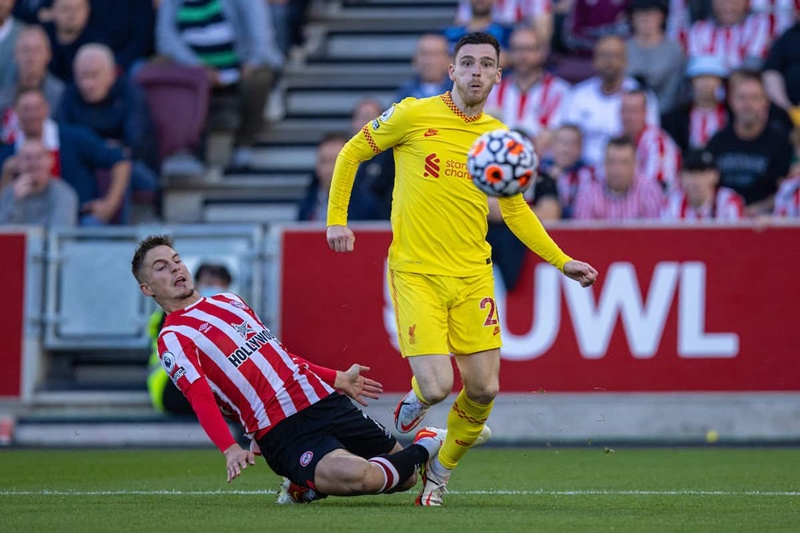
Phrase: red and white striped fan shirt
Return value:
(509, 12)
(569, 183)
(539, 108)
(658, 158)
(678, 21)
(596, 202)
(787, 200)
(731, 44)
(780, 13)
(726, 206)
(704, 123)
(250, 373)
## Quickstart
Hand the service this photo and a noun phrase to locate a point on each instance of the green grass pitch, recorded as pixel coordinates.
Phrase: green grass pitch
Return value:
(494, 489)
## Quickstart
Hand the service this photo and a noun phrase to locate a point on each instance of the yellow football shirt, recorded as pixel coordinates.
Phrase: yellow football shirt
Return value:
(438, 216)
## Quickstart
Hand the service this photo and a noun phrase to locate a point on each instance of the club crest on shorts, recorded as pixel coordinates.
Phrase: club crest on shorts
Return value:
(306, 458)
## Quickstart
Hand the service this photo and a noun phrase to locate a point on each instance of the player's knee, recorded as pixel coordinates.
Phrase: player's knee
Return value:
(435, 390)
(484, 393)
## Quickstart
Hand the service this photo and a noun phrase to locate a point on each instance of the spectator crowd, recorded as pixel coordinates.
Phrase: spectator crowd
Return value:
(638, 109)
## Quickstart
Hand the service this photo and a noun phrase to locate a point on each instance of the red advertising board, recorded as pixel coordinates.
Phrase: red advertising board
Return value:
(675, 309)
(12, 265)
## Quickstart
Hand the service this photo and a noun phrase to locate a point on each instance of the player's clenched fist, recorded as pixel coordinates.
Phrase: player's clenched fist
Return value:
(341, 238)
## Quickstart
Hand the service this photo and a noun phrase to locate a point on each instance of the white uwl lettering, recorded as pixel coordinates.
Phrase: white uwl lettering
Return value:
(643, 323)
(546, 316)
(693, 341)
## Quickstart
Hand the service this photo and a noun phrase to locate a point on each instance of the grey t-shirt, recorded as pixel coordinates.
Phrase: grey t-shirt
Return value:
(57, 206)
(661, 67)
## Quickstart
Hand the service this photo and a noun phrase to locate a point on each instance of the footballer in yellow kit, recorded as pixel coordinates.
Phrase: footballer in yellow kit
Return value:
(440, 270)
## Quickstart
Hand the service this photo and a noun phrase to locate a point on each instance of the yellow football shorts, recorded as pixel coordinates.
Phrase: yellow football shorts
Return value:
(444, 314)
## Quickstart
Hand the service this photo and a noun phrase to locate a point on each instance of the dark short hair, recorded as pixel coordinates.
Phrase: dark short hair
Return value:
(744, 74)
(334, 136)
(477, 37)
(215, 271)
(637, 90)
(29, 90)
(145, 246)
(620, 142)
(572, 127)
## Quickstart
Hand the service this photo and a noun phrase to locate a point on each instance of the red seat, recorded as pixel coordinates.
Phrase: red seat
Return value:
(178, 97)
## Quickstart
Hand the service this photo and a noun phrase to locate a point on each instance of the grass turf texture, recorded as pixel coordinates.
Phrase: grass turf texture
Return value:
(591, 489)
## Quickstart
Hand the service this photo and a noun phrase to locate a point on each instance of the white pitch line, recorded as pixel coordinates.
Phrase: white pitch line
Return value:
(457, 492)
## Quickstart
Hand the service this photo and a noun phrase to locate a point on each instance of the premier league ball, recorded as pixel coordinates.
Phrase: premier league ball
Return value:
(502, 163)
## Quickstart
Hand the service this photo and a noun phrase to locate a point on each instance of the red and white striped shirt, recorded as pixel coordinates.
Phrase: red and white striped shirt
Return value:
(539, 108)
(658, 158)
(596, 202)
(787, 199)
(781, 13)
(704, 123)
(726, 206)
(731, 44)
(250, 373)
(569, 183)
(678, 21)
(509, 12)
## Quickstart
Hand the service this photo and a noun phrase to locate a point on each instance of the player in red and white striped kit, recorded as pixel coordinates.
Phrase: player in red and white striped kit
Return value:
(700, 196)
(529, 99)
(222, 357)
(733, 35)
(658, 158)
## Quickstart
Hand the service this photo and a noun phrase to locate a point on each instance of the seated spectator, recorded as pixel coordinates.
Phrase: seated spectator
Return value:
(589, 21)
(658, 158)
(536, 14)
(776, 115)
(375, 177)
(9, 32)
(36, 196)
(753, 155)
(232, 40)
(780, 13)
(68, 31)
(431, 62)
(114, 108)
(738, 38)
(481, 20)
(595, 104)
(652, 57)
(165, 396)
(31, 57)
(700, 197)
(566, 167)
(692, 125)
(314, 206)
(782, 72)
(622, 195)
(78, 155)
(529, 98)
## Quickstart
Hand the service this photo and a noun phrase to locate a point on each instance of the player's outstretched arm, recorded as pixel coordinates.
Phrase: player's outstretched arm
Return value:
(581, 272)
(357, 386)
(340, 238)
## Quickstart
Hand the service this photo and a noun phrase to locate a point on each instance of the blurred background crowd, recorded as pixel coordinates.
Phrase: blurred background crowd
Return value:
(127, 111)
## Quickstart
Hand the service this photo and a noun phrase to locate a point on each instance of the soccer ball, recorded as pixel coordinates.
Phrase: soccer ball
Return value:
(502, 163)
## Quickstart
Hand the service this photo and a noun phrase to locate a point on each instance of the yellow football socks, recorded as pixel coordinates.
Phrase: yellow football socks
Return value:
(464, 423)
